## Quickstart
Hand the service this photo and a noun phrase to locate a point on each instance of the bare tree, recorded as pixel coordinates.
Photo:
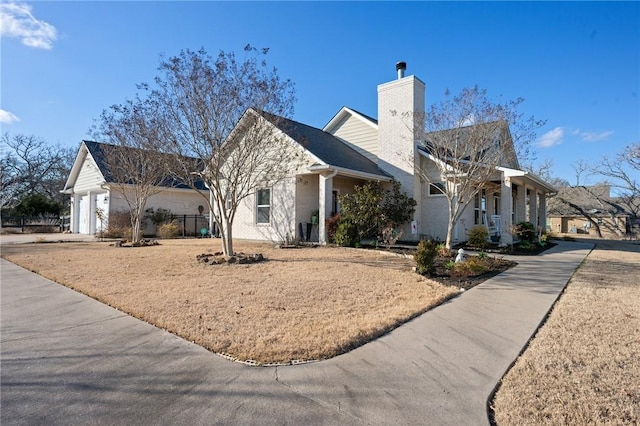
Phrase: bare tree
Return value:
(580, 167)
(623, 174)
(226, 113)
(136, 166)
(29, 165)
(466, 138)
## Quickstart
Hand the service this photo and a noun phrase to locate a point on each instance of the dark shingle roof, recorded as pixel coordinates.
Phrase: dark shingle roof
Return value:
(325, 146)
(100, 151)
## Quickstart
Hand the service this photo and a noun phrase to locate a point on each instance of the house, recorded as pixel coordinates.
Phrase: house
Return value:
(95, 197)
(587, 209)
(353, 148)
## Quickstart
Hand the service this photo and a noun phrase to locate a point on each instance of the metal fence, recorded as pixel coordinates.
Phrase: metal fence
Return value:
(193, 225)
(42, 223)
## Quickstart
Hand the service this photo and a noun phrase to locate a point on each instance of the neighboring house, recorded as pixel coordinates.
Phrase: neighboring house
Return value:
(353, 148)
(584, 209)
(94, 197)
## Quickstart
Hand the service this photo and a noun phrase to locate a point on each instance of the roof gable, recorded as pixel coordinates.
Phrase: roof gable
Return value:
(98, 152)
(346, 112)
(464, 133)
(324, 146)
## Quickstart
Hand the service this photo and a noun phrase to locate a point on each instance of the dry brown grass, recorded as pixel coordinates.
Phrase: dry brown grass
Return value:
(301, 304)
(583, 366)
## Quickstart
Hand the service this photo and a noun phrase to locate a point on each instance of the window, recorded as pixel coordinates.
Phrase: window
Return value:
(437, 188)
(263, 213)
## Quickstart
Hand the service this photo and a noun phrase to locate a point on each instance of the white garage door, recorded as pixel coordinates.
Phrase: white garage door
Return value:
(84, 224)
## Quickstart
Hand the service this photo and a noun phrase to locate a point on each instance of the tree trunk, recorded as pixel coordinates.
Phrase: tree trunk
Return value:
(449, 234)
(227, 239)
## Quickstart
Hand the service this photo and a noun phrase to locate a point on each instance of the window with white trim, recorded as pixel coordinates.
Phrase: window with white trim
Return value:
(263, 206)
(437, 188)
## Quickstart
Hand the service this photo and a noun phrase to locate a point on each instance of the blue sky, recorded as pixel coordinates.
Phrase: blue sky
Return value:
(576, 64)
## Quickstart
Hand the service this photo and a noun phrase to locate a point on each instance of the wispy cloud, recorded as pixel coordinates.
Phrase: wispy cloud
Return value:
(551, 138)
(17, 21)
(7, 117)
(595, 137)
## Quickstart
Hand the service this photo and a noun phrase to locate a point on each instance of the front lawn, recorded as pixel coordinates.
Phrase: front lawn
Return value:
(299, 304)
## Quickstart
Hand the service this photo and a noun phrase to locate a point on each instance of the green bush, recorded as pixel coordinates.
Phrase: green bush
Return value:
(168, 230)
(525, 231)
(425, 256)
(346, 234)
(478, 236)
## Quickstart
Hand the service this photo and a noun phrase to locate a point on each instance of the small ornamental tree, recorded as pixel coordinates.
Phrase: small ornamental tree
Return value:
(371, 209)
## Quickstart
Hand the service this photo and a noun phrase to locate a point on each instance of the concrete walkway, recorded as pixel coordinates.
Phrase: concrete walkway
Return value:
(67, 359)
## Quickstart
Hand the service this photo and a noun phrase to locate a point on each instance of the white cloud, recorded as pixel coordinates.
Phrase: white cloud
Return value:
(7, 117)
(551, 138)
(17, 21)
(595, 137)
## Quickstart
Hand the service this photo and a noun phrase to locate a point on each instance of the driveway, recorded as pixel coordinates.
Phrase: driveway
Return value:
(68, 359)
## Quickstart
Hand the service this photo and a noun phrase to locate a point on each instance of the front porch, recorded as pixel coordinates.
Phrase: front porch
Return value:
(317, 198)
(522, 197)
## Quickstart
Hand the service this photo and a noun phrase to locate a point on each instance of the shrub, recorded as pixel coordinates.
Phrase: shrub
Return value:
(119, 225)
(450, 265)
(478, 236)
(332, 227)
(160, 216)
(525, 231)
(371, 208)
(390, 235)
(443, 251)
(526, 245)
(168, 230)
(425, 256)
(482, 255)
(346, 234)
(472, 266)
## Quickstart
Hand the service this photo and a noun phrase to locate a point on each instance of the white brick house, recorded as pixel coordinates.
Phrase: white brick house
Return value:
(353, 148)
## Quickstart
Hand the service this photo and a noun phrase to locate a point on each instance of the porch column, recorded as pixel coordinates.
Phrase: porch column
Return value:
(533, 208)
(505, 211)
(92, 213)
(325, 192)
(542, 213)
(74, 225)
(521, 204)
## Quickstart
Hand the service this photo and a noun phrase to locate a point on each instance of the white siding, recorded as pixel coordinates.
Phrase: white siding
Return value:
(283, 211)
(89, 178)
(435, 212)
(358, 135)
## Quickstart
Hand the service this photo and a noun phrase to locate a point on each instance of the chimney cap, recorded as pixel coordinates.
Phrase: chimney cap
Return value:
(401, 66)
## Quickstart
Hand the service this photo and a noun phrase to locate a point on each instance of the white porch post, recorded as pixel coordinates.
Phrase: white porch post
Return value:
(92, 213)
(505, 211)
(533, 208)
(325, 192)
(542, 214)
(74, 226)
(521, 204)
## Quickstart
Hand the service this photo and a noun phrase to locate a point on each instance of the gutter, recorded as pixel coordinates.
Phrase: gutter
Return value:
(348, 172)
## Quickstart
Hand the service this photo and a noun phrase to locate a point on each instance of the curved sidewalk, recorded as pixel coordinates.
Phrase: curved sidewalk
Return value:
(68, 359)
